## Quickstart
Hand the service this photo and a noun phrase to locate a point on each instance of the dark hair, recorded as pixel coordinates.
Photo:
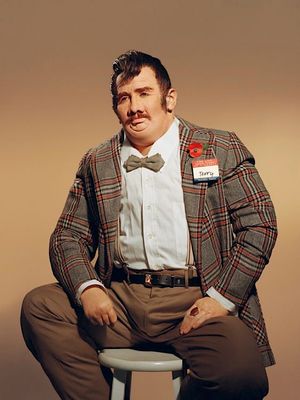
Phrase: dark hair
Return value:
(130, 64)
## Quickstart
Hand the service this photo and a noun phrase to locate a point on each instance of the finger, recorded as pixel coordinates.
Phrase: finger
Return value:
(106, 316)
(188, 320)
(184, 330)
(112, 316)
(105, 319)
(194, 322)
(186, 324)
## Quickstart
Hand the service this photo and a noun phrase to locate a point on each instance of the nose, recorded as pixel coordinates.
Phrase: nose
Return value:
(136, 106)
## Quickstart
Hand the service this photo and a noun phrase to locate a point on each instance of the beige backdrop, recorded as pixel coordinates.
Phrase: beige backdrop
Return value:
(236, 66)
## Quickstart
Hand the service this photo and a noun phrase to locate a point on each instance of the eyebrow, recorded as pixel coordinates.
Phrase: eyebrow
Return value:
(138, 90)
(144, 89)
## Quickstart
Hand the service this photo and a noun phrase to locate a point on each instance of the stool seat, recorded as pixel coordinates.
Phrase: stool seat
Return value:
(124, 361)
(137, 360)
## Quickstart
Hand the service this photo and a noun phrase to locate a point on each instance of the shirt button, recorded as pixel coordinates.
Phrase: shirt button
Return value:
(150, 236)
(149, 207)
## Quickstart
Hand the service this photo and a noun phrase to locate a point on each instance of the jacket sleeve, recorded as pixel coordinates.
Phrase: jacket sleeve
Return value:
(253, 223)
(74, 241)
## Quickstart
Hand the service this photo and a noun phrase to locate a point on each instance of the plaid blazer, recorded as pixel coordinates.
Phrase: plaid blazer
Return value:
(231, 221)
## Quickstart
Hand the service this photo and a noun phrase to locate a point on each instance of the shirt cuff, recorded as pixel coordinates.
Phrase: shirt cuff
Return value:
(85, 285)
(231, 307)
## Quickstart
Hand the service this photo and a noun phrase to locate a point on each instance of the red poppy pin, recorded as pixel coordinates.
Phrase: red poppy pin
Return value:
(195, 149)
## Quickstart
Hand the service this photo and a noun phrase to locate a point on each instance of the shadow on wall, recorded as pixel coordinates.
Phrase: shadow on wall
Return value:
(18, 367)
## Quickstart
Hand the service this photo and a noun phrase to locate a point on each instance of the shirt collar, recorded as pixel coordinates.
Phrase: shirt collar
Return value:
(164, 145)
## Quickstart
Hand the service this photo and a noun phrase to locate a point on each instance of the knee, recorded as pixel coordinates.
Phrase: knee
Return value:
(244, 384)
(32, 313)
(234, 385)
(231, 380)
(40, 304)
(232, 368)
(33, 304)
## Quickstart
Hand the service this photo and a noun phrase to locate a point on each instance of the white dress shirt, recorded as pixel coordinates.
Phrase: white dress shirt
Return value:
(153, 230)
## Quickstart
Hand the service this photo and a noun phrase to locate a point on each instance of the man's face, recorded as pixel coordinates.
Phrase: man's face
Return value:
(140, 108)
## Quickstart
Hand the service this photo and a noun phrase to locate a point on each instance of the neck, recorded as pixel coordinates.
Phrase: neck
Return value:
(143, 149)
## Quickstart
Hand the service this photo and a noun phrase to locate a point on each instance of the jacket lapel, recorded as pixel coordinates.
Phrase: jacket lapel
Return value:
(194, 193)
(109, 185)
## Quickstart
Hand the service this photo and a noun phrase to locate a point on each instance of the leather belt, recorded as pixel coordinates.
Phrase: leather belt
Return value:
(150, 279)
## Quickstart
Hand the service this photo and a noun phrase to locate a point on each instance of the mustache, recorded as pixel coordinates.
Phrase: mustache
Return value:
(136, 116)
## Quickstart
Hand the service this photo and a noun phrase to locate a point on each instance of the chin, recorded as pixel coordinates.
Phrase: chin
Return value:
(138, 133)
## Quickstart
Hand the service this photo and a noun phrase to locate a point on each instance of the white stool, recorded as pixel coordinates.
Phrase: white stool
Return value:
(124, 361)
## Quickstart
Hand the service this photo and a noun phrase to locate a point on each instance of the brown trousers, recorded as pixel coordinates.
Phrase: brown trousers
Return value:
(222, 355)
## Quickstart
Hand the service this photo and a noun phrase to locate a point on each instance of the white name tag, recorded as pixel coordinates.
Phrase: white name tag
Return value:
(205, 170)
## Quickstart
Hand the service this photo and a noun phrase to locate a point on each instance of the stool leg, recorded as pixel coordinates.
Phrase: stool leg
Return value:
(118, 385)
(177, 377)
(128, 386)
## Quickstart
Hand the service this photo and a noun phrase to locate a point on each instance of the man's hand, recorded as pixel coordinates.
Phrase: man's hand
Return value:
(97, 306)
(200, 311)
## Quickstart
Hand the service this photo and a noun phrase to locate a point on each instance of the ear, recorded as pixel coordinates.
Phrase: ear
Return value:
(171, 100)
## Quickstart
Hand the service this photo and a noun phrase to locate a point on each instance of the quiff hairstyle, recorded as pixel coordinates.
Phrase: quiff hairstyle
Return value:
(130, 64)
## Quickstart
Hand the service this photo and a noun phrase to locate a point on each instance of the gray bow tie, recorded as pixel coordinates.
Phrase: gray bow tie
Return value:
(154, 162)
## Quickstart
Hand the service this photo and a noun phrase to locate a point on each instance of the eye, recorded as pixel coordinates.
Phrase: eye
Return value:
(144, 94)
(122, 99)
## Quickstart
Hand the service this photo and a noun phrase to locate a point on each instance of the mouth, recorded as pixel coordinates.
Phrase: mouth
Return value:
(137, 121)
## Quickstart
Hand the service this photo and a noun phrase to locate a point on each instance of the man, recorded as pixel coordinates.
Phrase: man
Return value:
(183, 226)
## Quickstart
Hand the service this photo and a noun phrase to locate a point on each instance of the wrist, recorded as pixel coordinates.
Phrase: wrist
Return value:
(92, 292)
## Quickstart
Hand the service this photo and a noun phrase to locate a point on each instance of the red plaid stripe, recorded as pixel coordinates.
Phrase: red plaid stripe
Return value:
(231, 221)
